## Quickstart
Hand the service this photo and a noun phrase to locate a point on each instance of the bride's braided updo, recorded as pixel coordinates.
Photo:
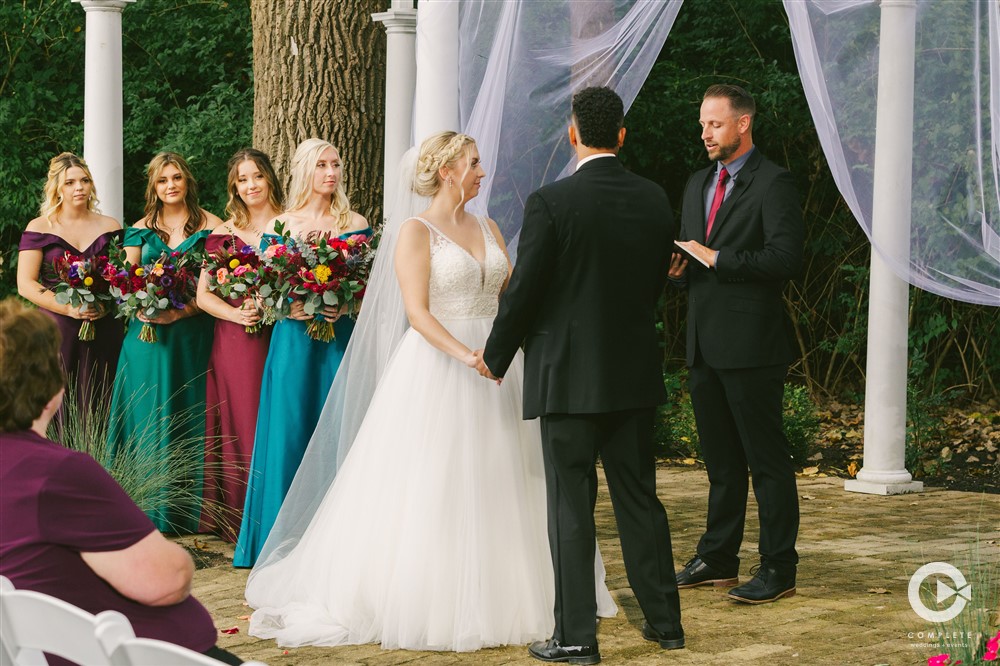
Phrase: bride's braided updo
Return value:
(442, 149)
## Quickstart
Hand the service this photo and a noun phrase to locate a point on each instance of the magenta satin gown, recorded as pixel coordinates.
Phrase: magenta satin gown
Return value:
(232, 395)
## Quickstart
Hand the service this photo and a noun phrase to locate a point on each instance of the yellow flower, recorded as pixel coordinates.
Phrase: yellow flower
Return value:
(87, 281)
(233, 263)
(140, 271)
(322, 273)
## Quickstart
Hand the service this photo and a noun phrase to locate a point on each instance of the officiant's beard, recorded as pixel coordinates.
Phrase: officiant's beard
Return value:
(723, 152)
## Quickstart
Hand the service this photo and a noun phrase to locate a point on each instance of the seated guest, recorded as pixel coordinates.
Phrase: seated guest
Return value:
(67, 529)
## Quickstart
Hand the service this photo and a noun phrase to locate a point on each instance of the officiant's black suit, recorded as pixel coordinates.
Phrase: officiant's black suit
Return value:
(591, 264)
(739, 345)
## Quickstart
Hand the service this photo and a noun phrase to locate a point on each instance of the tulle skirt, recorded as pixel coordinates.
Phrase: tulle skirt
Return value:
(433, 536)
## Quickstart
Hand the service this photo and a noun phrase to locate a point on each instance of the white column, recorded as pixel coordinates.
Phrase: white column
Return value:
(102, 109)
(436, 106)
(400, 83)
(884, 471)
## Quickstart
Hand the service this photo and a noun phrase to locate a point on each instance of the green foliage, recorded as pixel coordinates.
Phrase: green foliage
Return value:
(676, 433)
(187, 86)
(801, 422)
(925, 431)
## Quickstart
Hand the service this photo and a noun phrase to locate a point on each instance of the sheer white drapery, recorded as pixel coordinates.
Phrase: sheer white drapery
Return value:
(954, 244)
(519, 65)
(521, 62)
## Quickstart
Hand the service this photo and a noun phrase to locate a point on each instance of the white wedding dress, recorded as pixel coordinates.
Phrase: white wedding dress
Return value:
(433, 534)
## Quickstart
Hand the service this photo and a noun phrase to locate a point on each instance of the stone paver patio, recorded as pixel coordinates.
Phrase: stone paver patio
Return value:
(857, 555)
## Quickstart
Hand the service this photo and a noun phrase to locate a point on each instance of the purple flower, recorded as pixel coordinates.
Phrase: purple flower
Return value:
(167, 281)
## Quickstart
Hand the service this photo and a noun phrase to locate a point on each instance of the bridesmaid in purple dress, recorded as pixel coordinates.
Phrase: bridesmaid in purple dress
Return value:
(236, 364)
(69, 221)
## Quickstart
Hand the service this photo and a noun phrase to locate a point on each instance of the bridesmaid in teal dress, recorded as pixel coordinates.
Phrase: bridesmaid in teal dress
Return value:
(158, 405)
(299, 370)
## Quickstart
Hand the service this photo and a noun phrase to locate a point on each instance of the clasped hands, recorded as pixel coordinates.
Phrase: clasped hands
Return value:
(476, 362)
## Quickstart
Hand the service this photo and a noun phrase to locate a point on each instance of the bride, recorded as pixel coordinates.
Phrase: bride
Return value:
(433, 534)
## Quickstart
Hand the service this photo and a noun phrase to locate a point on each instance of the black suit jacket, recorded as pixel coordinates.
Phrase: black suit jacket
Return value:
(736, 313)
(591, 265)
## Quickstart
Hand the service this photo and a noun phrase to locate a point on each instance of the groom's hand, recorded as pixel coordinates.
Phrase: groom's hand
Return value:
(481, 367)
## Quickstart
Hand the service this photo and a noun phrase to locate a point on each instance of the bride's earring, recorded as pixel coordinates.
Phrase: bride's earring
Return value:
(451, 183)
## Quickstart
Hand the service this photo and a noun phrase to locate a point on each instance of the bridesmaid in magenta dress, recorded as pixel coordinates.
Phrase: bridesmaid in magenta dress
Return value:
(236, 364)
(70, 222)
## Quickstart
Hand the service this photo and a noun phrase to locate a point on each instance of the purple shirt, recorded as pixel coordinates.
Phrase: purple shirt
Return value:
(55, 503)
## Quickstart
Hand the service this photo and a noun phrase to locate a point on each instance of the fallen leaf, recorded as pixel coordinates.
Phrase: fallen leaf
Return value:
(200, 545)
(878, 590)
(230, 630)
(809, 471)
(815, 457)
(852, 468)
(689, 461)
(243, 617)
(808, 497)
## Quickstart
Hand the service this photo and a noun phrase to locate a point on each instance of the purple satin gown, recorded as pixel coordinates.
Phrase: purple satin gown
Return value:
(232, 394)
(90, 366)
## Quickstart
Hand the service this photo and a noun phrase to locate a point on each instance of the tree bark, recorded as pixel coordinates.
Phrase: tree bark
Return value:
(319, 71)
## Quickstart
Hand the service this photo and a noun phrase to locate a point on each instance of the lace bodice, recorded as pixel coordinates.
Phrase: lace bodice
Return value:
(460, 286)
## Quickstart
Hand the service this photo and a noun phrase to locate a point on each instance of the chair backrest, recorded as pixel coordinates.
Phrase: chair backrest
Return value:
(32, 623)
(124, 649)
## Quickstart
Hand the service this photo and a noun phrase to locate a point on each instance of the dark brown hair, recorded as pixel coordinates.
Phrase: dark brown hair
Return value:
(30, 370)
(739, 99)
(154, 206)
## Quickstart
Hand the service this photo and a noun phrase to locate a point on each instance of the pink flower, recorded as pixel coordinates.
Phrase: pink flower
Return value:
(941, 660)
(276, 250)
(222, 276)
(992, 648)
(240, 270)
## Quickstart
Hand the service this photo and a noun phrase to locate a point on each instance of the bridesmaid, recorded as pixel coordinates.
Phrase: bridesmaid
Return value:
(158, 406)
(236, 364)
(299, 370)
(69, 221)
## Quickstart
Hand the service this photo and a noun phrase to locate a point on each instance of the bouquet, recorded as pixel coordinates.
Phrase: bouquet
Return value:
(81, 281)
(236, 274)
(167, 283)
(327, 272)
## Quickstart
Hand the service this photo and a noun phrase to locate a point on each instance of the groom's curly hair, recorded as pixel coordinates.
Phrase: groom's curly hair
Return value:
(598, 113)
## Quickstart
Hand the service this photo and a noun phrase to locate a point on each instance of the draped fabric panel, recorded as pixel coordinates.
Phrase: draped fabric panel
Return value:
(954, 243)
(519, 65)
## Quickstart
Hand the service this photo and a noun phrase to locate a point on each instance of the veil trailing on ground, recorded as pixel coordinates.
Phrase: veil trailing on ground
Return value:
(379, 328)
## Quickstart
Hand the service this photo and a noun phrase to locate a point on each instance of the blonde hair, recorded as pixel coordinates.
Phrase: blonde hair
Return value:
(303, 166)
(236, 208)
(52, 199)
(436, 151)
(154, 206)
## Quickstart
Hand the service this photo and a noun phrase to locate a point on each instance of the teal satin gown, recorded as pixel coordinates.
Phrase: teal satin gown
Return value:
(157, 426)
(298, 374)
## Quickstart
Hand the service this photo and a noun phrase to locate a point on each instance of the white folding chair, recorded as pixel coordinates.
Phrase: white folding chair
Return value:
(32, 623)
(124, 649)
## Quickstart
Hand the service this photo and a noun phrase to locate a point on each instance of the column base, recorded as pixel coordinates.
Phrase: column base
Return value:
(873, 488)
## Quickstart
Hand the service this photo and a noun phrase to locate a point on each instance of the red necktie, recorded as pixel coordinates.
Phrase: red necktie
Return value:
(720, 195)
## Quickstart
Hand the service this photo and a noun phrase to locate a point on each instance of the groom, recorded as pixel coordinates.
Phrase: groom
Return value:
(592, 262)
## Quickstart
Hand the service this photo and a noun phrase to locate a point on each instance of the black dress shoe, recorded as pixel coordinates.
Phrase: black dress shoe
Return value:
(696, 573)
(551, 650)
(667, 641)
(768, 584)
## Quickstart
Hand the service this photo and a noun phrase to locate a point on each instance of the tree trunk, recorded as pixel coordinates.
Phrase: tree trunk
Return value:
(319, 71)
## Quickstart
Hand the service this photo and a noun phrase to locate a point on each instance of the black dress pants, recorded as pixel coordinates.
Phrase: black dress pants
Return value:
(739, 417)
(624, 441)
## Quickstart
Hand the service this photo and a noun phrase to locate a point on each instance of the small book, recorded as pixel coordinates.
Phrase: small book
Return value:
(687, 255)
